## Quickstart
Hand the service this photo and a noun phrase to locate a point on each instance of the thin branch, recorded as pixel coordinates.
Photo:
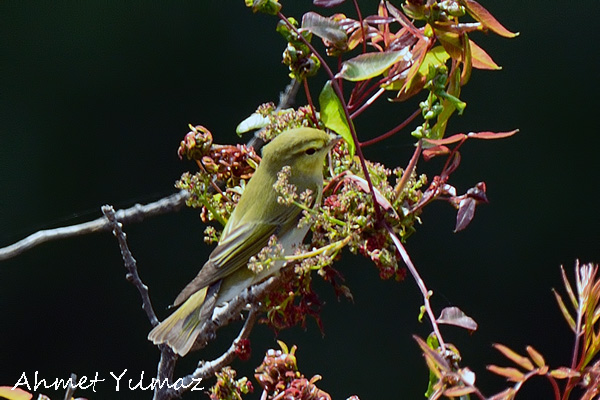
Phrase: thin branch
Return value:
(207, 369)
(286, 99)
(130, 263)
(420, 283)
(136, 213)
(222, 316)
(392, 131)
(367, 103)
(362, 93)
(555, 387)
(313, 113)
(408, 171)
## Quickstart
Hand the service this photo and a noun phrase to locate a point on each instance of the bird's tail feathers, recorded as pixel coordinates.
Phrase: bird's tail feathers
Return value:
(181, 328)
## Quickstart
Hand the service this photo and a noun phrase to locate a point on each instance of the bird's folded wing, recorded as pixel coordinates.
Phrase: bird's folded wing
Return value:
(235, 249)
(230, 255)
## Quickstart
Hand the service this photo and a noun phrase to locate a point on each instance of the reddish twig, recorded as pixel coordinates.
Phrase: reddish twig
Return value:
(420, 283)
(408, 171)
(362, 30)
(393, 131)
(310, 102)
(367, 103)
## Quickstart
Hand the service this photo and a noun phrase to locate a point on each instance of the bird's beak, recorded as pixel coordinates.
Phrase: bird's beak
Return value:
(333, 139)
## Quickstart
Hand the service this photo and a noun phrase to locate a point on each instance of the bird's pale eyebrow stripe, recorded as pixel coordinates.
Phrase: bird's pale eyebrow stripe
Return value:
(315, 144)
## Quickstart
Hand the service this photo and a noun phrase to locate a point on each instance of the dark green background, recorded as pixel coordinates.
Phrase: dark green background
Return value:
(95, 98)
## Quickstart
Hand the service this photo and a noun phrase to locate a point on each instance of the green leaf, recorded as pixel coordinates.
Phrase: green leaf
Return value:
(434, 57)
(284, 30)
(254, 121)
(324, 28)
(333, 116)
(467, 59)
(369, 65)
(270, 7)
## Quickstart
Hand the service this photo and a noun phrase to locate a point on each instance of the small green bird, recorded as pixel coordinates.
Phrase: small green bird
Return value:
(255, 219)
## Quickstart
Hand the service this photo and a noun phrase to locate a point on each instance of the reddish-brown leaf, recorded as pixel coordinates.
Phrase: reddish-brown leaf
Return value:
(419, 52)
(569, 288)
(512, 374)
(492, 135)
(403, 20)
(482, 15)
(481, 59)
(459, 391)
(537, 358)
(565, 311)
(564, 373)
(364, 186)
(507, 394)
(478, 193)
(522, 361)
(465, 214)
(433, 356)
(435, 151)
(451, 43)
(328, 3)
(453, 165)
(378, 19)
(448, 140)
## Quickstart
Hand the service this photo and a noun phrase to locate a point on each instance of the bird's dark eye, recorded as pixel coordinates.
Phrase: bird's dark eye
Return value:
(311, 151)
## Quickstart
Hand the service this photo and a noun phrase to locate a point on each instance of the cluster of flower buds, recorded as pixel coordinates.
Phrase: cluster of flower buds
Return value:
(225, 162)
(279, 377)
(227, 387)
(291, 303)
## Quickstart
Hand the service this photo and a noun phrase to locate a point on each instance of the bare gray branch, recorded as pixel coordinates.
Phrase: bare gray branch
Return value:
(130, 263)
(136, 213)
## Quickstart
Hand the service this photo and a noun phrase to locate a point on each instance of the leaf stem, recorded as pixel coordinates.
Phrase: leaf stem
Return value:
(335, 246)
(214, 212)
(313, 211)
